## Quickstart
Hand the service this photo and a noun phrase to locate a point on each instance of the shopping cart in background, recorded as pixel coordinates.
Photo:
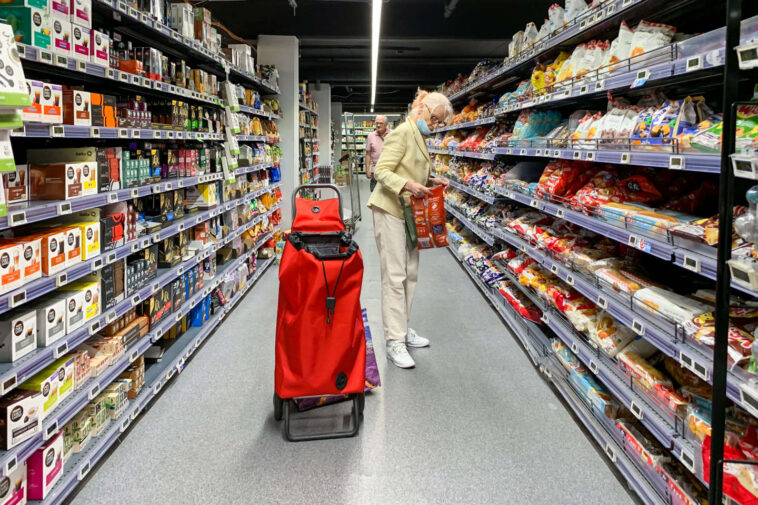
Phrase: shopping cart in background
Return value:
(320, 339)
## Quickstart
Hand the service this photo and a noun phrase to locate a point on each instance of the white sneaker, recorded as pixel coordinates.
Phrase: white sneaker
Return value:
(398, 354)
(413, 339)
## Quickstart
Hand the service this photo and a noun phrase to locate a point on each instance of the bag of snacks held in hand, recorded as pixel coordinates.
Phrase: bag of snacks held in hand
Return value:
(429, 216)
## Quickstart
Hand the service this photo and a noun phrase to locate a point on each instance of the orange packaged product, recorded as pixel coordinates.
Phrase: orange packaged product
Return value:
(53, 251)
(31, 256)
(429, 215)
(10, 267)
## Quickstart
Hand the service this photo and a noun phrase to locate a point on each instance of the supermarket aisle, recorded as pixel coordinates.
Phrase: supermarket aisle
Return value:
(472, 424)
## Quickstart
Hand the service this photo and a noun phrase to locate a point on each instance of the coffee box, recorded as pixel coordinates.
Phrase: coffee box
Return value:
(82, 42)
(52, 103)
(16, 184)
(18, 334)
(61, 36)
(51, 320)
(33, 113)
(21, 414)
(45, 467)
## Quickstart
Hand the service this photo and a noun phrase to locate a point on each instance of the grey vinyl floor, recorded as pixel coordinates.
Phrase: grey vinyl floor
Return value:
(473, 423)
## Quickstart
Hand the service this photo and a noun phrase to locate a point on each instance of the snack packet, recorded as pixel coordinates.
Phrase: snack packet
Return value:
(429, 215)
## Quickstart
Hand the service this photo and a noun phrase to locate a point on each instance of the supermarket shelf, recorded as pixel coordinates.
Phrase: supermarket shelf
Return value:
(32, 212)
(82, 67)
(254, 138)
(538, 347)
(663, 334)
(258, 112)
(464, 154)
(667, 430)
(305, 107)
(471, 191)
(709, 163)
(486, 237)
(586, 25)
(655, 247)
(63, 413)
(253, 168)
(41, 130)
(156, 376)
(531, 337)
(469, 124)
(615, 453)
(143, 27)
(238, 75)
(46, 284)
(665, 63)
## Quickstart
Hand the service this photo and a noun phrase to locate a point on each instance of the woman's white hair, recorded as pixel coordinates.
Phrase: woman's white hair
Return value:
(437, 103)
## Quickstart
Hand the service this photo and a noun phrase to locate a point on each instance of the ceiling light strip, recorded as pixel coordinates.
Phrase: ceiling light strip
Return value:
(376, 25)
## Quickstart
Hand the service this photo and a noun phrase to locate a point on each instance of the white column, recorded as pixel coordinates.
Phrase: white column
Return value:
(282, 51)
(337, 120)
(322, 95)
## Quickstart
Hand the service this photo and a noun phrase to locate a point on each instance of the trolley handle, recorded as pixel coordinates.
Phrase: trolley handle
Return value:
(316, 186)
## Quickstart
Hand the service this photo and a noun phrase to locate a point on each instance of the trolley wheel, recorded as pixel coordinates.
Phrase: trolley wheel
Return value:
(361, 403)
(278, 407)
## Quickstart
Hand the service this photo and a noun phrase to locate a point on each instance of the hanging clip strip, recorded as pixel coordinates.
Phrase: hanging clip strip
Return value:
(331, 298)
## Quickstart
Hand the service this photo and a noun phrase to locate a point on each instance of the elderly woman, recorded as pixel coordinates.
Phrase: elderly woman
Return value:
(404, 166)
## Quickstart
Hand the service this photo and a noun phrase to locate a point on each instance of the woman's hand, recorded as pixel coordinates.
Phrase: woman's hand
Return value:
(440, 181)
(416, 189)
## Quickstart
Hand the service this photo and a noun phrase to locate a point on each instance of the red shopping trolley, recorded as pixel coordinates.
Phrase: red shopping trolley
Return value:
(320, 339)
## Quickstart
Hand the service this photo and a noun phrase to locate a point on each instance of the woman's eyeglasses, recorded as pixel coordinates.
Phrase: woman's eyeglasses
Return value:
(436, 121)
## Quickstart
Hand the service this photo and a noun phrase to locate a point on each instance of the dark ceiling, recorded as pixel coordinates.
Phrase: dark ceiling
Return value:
(419, 45)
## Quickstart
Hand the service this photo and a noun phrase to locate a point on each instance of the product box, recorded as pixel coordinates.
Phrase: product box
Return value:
(45, 467)
(63, 181)
(81, 13)
(18, 334)
(74, 309)
(60, 10)
(37, 4)
(109, 168)
(112, 286)
(96, 107)
(51, 320)
(53, 245)
(99, 48)
(52, 103)
(168, 253)
(136, 329)
(33, 113)
(61, 36)
(11, 270)
(20, 418)
(73, 245)
(31, 256)
(16, 184)
(31, 26)
(82, 42)
(158, 306)
(110, 112)
(55, 382)
(90, 291)
(77, 108)
(89, 234)
(13, 487)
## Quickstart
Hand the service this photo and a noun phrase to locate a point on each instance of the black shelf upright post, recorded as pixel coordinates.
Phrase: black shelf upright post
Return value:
(726, 204)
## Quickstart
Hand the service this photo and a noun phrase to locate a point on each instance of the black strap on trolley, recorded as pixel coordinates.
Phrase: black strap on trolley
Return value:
(331, 298)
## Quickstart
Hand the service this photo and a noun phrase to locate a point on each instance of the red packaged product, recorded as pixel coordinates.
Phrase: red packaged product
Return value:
(638, 189)
(429, 214)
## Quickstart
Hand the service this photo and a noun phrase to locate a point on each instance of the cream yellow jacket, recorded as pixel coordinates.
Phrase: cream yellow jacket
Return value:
(404, 158)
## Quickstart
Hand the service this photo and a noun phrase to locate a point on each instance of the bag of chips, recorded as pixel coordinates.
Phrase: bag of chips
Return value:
(429, 215)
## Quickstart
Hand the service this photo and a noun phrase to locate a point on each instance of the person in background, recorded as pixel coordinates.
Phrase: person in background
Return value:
(404, 166)
(374, 143)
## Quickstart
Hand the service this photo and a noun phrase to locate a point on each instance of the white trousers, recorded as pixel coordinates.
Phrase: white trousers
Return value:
(399, 274)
